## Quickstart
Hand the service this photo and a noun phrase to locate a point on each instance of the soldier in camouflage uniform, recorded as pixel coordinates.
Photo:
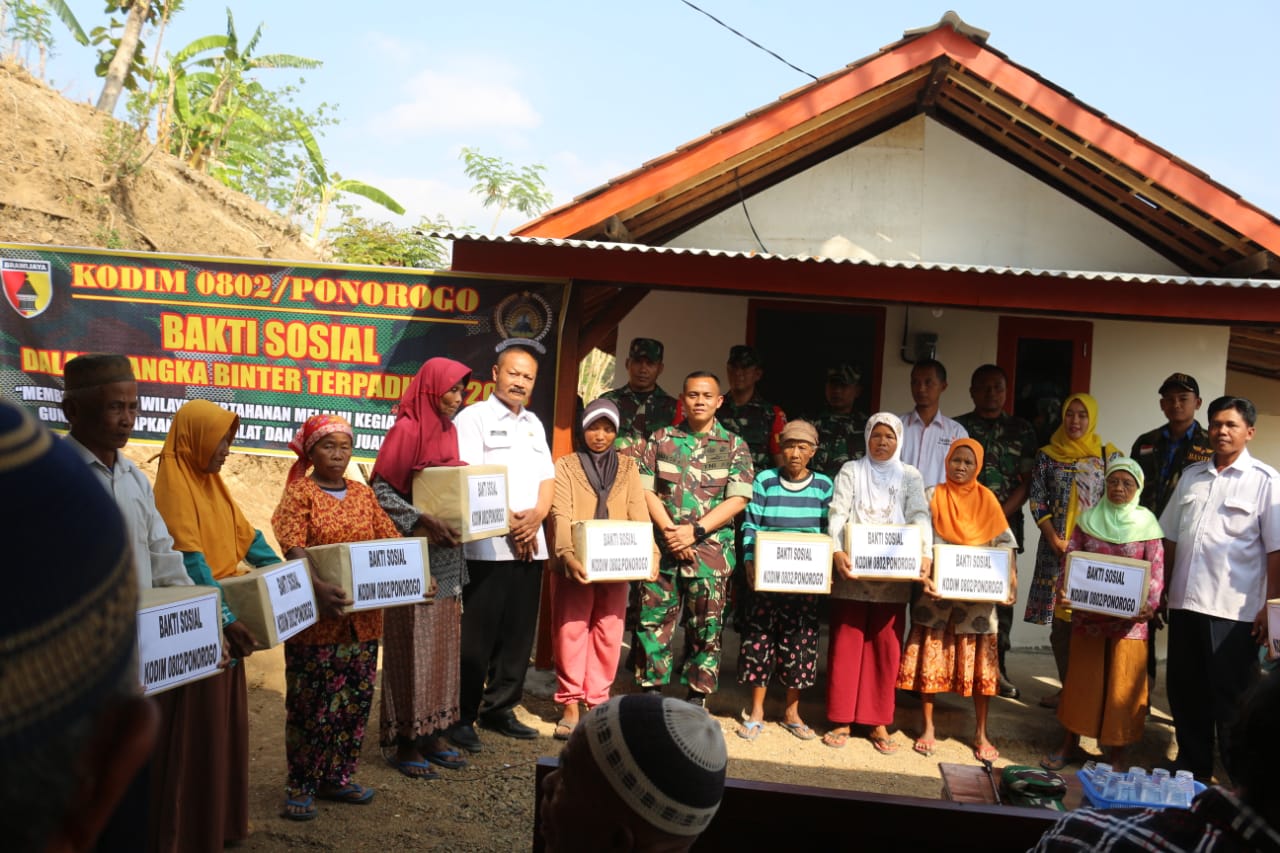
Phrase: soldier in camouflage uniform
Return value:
(748, 415)
(697, 477)
(642, 406)
(841, 428)
(1010, 446)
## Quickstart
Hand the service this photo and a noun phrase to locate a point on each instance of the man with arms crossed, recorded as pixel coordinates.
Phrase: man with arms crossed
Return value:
(500, 601)
(696, 477)
(1222, 542)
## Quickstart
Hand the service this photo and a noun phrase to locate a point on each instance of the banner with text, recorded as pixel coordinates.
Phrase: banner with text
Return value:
(273, 342)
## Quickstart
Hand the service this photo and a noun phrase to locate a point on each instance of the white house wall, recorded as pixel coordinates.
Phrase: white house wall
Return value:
(922, 192)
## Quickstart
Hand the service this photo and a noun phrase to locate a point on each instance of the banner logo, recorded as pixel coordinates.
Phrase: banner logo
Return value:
(523, 319)
(28, 285)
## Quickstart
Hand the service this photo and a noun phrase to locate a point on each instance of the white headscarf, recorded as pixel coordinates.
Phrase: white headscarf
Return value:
(877, 495)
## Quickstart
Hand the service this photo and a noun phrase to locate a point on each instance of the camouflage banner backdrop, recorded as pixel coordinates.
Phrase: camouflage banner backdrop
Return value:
(273, 342)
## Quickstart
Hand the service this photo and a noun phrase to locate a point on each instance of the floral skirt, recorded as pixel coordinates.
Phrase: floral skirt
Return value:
(781, 634)
(938, 660)
(328, 694)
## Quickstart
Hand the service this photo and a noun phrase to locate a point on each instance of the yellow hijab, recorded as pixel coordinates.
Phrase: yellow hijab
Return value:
(1070, 451)
(195, 505)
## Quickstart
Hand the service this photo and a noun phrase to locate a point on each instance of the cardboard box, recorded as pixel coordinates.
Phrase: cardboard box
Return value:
(614, 550)
(884, 552)
(471, 499)
(179, 636)
(274, 602)
(963, 573)
(1101, 583)
(792, 562)
(377, 574)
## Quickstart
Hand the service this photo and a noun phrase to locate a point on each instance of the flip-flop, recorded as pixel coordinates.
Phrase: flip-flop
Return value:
(751, 729)
(835, 740)
(563, 730)
(446, 758)
(884, 746)
(924, 747)
(800, 730)
(412, 769)
(351, 793)
(986, 753)
(307, 806)
(1054, 762)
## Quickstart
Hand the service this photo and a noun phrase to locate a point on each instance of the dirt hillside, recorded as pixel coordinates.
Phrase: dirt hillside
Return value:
(58, 186)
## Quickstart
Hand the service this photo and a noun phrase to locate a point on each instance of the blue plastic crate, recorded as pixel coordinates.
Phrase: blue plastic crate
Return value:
(1095, 799)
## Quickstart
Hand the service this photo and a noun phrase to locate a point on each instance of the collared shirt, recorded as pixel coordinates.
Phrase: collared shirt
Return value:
(491, 434)
(1163, 460)
(1225, 523)
(154, 558)
(925, 446)
(1217, 822)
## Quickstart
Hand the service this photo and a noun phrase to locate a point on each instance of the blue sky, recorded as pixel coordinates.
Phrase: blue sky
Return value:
(592, 90)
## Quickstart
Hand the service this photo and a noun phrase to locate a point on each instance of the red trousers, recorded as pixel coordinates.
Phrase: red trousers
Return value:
(862, 670)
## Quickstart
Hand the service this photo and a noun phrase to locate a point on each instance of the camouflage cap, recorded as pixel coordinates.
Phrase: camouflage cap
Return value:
(843, 374)
(646, 348)
(1181, 380)
(742, 355)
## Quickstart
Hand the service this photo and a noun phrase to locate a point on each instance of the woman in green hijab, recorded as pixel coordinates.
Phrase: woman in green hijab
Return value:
(1105, 694)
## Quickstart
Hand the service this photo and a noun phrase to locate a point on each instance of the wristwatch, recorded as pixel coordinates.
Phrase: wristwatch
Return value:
(699, 532)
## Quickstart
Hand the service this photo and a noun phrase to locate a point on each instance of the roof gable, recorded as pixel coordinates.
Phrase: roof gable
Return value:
(948, 73)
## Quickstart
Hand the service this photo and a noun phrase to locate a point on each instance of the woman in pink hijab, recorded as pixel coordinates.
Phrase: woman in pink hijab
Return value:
(421, 643)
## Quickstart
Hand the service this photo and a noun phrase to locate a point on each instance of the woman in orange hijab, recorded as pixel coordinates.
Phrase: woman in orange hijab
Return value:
(952, 646)
(201, 761)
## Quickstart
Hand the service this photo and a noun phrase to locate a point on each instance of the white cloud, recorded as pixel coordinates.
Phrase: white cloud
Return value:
(461, 99)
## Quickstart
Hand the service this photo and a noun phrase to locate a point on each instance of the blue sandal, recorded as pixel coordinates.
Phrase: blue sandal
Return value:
(349, 793)
(446, 758)
(306, 809)
(415, 769)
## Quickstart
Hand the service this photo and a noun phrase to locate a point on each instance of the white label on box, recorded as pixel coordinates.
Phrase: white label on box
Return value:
(179, 642)
(971, 574)
(293, 602)
(618, 552)
(884, 551)
(1097, 585)
(487, 501)
(385, 574)
(793, 566)
(1273, 627)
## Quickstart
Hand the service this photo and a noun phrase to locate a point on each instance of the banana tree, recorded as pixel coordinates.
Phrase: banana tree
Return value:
(332, 186)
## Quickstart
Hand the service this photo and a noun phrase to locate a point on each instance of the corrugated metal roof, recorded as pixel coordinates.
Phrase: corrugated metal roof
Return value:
(980, 269)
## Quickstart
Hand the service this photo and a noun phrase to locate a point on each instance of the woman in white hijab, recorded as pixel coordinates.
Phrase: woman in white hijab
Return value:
(868, 617)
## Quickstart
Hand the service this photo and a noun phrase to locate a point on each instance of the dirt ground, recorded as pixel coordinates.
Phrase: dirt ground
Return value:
(489, 805)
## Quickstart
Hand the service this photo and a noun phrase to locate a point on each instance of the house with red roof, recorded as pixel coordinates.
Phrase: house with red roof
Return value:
(937, 198)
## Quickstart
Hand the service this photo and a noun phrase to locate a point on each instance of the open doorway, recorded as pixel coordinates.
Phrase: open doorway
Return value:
(1047, 360)
(798, 341)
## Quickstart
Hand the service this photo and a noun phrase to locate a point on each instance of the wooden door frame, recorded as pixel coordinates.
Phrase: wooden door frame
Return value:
(1079, 332)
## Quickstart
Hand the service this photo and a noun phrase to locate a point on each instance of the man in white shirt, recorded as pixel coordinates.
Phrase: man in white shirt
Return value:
(500, 601)
(100, 401)
(926, 432)
(1222, 563)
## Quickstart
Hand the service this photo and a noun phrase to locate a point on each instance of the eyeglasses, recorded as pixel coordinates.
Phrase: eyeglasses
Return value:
(1125, 484)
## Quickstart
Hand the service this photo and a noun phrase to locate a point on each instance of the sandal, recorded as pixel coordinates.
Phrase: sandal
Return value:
(447, 758)
(800, 730)
(986, 754)
(836, 739)
(751, 729)
(303, 809)
(563, 730)
(925, 747)
(885, 745)
(349, 793)
(413, 769)
(1055, 762)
